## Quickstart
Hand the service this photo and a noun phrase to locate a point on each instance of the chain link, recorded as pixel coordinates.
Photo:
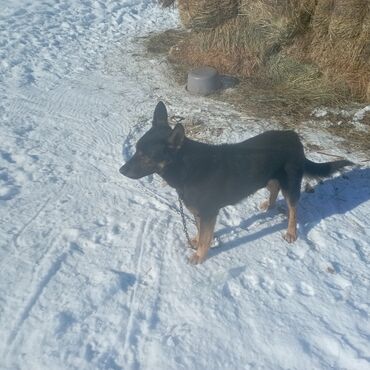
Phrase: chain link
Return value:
(185, 227)
(179, 210)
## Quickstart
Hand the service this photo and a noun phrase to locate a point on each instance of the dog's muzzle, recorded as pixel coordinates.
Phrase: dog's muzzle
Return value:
(127, 171)
(123, 170)
(136, 169)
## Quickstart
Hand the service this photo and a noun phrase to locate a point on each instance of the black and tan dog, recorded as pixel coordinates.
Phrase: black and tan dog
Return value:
(209, 177)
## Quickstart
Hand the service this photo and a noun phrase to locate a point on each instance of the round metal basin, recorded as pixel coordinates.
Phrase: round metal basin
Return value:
(203, 81)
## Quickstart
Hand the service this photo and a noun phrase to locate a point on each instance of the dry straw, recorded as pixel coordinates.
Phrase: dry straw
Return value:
(268, 38)
(207, 14)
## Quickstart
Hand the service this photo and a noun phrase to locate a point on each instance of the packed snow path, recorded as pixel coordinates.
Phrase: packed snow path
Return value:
(93, 266)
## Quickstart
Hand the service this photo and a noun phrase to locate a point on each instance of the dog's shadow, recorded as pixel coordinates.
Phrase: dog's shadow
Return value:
(333, 196)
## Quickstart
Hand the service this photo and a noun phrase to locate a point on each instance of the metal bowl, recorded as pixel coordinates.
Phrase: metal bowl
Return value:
(203, 81)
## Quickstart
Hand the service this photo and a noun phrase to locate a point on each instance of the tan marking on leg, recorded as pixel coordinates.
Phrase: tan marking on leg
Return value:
(273, 187)
(195, 239)
(291, 233)
(206, 229)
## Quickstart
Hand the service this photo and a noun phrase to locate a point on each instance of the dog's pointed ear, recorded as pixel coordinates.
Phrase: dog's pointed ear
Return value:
(160, 117)
(177, 137)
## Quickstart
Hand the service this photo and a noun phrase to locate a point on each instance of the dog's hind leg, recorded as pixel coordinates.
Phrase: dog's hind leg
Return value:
(291, 234)
(206, 229)
(273, 187)
(291, 191)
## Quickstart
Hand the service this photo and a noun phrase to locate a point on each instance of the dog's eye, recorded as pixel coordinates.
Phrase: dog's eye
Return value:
(144, 157)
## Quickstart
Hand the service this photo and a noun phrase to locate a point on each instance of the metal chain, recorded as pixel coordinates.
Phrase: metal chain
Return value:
(182, 214)
(184, 224)
(216, 238)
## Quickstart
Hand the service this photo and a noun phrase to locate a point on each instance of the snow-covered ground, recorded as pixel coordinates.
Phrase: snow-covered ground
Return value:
(93, 266)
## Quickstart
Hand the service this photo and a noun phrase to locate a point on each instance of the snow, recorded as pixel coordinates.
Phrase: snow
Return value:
(94, 271)
(319, 112)
(360, 114)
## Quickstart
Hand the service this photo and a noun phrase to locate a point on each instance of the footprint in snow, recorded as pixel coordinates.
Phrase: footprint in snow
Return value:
(7, 156)
(231, 289)
(124, 280)
(306, 289)
(266, 283)
(7, 192)
(249, 282)
(64, 320)
(340, 287)
(8, 187)
(284, 290)
(176, 333)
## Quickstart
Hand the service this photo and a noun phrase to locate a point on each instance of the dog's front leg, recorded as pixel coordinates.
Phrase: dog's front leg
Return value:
(195, 239)
(206, 229)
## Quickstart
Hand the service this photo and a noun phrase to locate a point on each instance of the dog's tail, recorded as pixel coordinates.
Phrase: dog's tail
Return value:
(324, 169)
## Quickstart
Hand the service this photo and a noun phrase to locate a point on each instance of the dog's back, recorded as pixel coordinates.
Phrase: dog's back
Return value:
(224, 174)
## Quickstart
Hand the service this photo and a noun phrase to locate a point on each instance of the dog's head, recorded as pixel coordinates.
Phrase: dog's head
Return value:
(156, 148)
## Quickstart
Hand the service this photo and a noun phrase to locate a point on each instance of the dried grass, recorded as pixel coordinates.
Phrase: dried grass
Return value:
(346, 19)
(260, 29)
(241, 36)
(190, 52)
(303, 81)
(206, 14)
(237, 34)
(160, 43)
(339, 43)
(278, 12)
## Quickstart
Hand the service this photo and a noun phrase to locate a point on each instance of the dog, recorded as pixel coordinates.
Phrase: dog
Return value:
(210, 177)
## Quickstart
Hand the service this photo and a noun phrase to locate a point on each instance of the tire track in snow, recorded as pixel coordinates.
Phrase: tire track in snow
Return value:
(146, 294)
(133, 305)
(35, 217)
(33, 298)
(52, 271)
(28, 223)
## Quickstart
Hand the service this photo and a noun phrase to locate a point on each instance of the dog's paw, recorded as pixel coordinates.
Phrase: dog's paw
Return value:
(194, 243)
(290, 237)
(265, 205)
(196, 259)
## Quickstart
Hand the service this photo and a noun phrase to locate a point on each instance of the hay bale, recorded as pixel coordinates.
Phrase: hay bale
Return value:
(297, 80)
(247, 35)
(184, 12)
(321, 17)
(265, 10)
(346, 19)
(339, 42)
(239, 62)
(234, 35)
(276, 23)
(283, 69)
(279, 13)
(206, 14)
